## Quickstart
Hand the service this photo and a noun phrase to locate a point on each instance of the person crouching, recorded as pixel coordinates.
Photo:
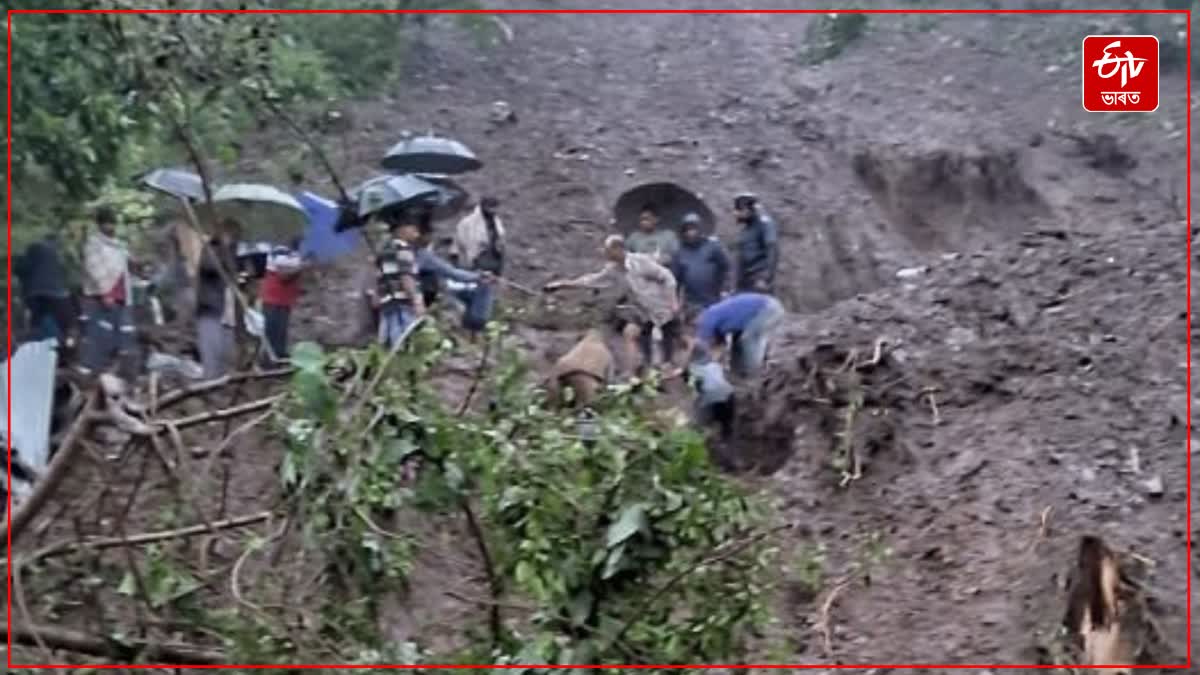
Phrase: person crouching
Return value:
(585, 371)
(716, 402)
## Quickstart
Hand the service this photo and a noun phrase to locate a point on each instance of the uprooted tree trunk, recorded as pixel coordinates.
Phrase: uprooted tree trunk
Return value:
(1107, 615)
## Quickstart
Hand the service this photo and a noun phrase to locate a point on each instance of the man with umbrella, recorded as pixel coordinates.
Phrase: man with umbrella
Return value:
(396, 294)
(650, 239)
(214, 307)
(654, 313)
(757, 246)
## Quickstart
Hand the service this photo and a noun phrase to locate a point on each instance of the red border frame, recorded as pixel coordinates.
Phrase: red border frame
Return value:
(333, 11)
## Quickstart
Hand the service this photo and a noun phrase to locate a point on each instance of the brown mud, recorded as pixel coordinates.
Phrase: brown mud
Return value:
(1025, 290)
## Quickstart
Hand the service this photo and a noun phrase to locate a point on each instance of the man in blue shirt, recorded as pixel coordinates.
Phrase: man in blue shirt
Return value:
(747, 321)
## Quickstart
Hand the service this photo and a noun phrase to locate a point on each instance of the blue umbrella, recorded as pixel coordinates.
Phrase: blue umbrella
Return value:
(322, 240)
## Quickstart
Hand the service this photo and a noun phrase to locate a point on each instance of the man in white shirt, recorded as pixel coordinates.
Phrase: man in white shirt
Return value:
(654, 314)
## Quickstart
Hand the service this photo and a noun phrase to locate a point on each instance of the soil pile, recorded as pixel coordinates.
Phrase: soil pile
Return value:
(1001, 405)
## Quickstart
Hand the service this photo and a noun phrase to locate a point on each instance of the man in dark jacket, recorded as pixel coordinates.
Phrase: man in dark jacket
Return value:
(701, 268)
(757, 247)
(42, 276)
(214, 310)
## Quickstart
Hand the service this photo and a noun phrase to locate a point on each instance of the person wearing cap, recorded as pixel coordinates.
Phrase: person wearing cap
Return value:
(757, 246)
(745, 321)
(479, 241)
(701, 267)
(279, 292)
(655, 302)
(649, 238)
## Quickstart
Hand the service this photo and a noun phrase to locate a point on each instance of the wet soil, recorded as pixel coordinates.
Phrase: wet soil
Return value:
(987, 314)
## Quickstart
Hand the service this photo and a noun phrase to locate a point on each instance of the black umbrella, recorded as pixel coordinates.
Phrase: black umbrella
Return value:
(175, 182)
(450, 200)
(431, 155)
(389, 197)
(671, 201)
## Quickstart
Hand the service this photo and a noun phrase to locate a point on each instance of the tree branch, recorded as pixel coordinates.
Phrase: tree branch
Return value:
(716, 555)
(489, 567)
(111, 648)
(63, 548)
(63, 460)
(177, 395)
(217, 415)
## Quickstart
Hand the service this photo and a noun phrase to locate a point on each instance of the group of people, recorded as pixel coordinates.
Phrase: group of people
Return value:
(684, 294)
(674, 284)
(205, 280)
(409, 275)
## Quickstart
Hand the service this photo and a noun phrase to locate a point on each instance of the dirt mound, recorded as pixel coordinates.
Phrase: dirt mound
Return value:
(831, 403)
(939, 199)
(1021, 397)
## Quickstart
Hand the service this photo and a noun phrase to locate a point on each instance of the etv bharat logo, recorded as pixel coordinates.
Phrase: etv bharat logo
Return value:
(1120, 73)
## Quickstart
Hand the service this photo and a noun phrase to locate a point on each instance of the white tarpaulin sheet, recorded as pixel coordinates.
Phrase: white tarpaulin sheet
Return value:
(31, 370)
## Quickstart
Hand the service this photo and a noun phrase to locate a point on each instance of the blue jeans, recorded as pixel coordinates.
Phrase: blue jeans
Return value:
(108, 335)
(750, 346)
(392, 323)
(478, 302)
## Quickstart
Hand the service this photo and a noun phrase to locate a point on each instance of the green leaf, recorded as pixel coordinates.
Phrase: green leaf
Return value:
(631, 521)
(128, 585)
(612, 563)
(308, 357)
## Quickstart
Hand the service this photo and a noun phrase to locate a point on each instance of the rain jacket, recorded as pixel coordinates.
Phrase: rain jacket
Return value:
(651, 285)
(757, 252)
(661, 243)
(40, 271)
(701, 270)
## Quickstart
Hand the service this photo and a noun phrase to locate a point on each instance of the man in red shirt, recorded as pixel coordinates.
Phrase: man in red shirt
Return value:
(279, 291)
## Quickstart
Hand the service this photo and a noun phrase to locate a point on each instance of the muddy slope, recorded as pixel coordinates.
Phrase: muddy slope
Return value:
(931, 137)
(1045, 377)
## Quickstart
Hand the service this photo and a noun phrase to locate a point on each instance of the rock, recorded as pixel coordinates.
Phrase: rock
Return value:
(1154, 487)
(502, 112)
(911, 272)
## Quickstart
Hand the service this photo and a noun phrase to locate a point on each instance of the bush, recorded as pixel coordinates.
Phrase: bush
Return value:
(828, 35)
(632, 548)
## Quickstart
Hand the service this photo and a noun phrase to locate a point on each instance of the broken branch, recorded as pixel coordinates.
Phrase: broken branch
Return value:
(218, 415)
(63, 548)
(24, 514)
(128, 650)
(177, 395)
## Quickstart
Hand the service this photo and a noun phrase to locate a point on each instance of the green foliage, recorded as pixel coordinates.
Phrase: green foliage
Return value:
(97, 99)
(828, 35)
(631, 547)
